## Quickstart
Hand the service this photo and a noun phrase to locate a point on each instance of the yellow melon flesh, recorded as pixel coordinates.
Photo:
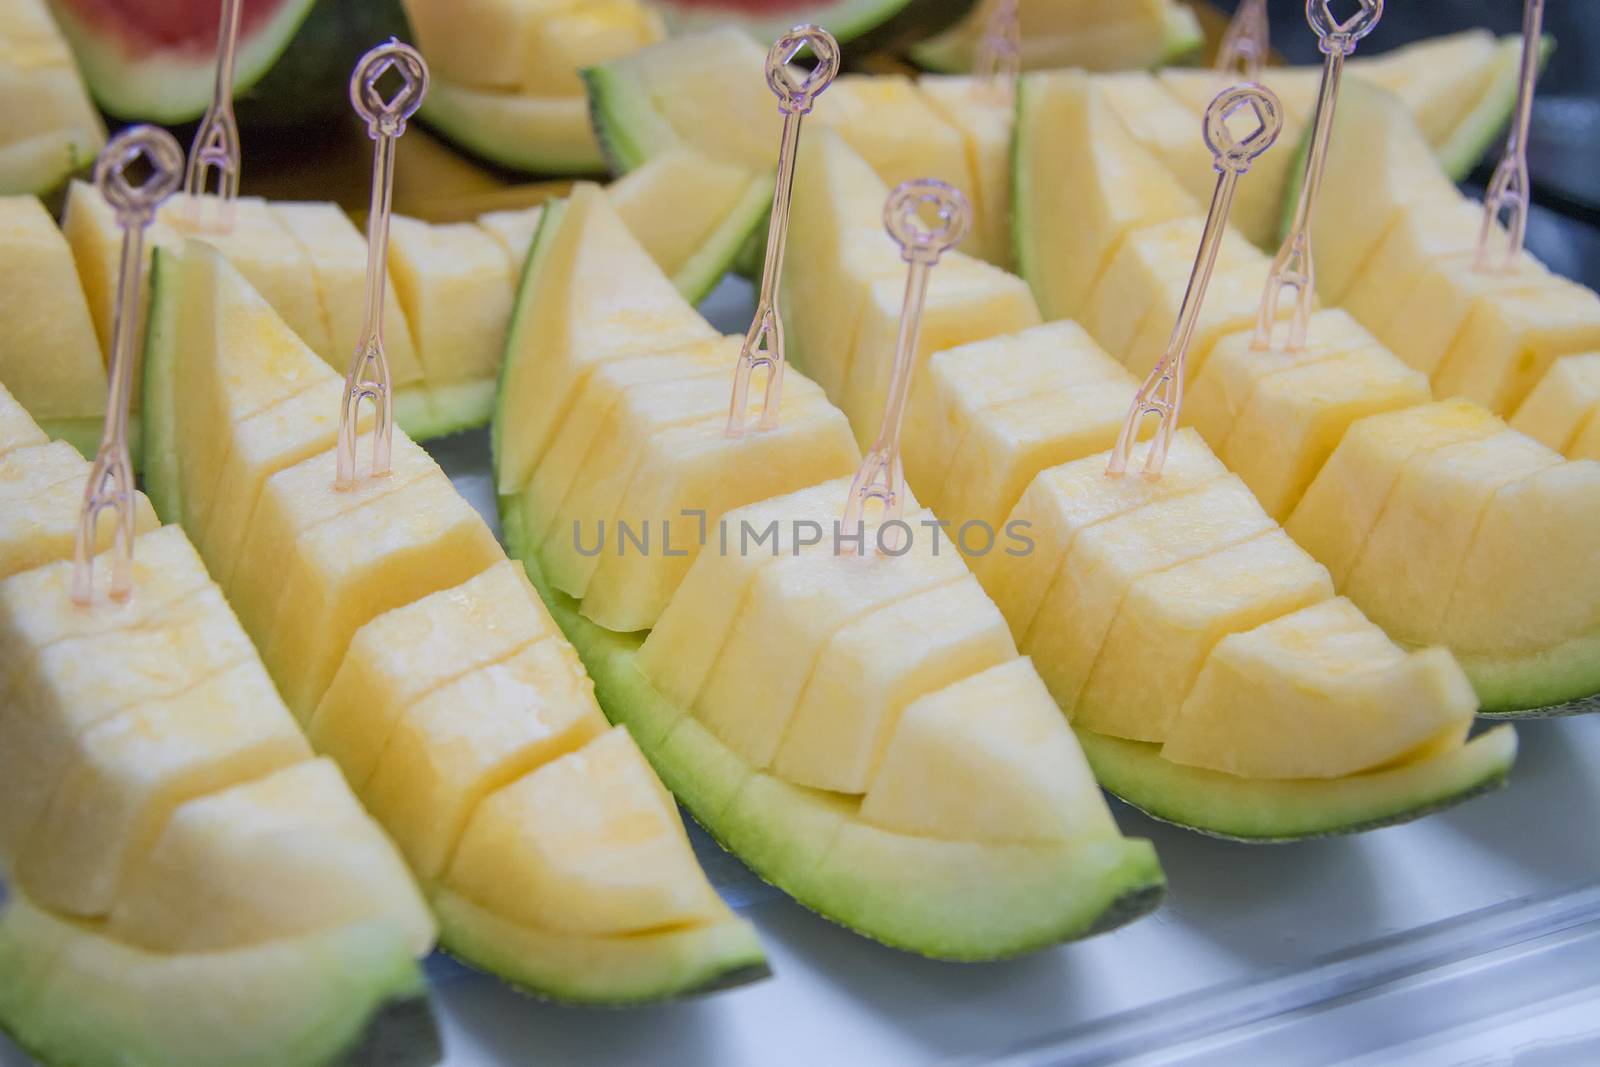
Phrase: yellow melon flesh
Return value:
(1421, 234)
(1297, 416)
(1435, 506)
(337, 252)
(131, 770)
(870, 670)
(17, 428)
(967, 300)
(483, 43)
(41, 498)
(982, 113)
(674, 237)
(1215, 397)
(1170, 621)
(1320, 693)
(792, 608)
(90, 228)
(1062, 500)
(986, 759)
(1344, 500)
(1088, 183)
(1562, 405)
(688, 636)
(575, 36)
(455, 283)
(1106, 558)
(715, 111)
(472, 736)
(589, 843)
(1164, 125)
(514, 230)
(1586, 445)
(1445, 295)
(1510, 339)
(1436, 89)
(50, 360)
(287, 854)
(408, 652)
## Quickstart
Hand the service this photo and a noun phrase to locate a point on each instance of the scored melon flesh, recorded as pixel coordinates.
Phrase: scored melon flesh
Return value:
(1170, 621)
(1062, 500)
(17, 428)
(131, 770)
(1343, 502)
(404, 654)
(1163, 124)
(1297, 416)
(472, 736)
(589, 843)
(1510, 339)
(515, 229)
(286, 854)
(1105, 560)
(791, 609)
(41, 500)
(1531, 640)
(51, 128)
(590, 293)
(1320, 693)
(454, 282)
(1437, 500)
(1564, 402)
(1437, 81)
(688, 636)
(1443, 298)
(485, 43)
(1081, 183)
(986, 759)
(51, 360)
(1420, 235)
(873, 668)
(982, 113)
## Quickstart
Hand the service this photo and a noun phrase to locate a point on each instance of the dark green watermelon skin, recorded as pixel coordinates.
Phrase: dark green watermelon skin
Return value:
(917, 21)
(308, 87)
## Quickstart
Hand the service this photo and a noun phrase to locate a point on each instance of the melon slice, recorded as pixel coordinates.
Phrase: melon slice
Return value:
(1142, 33)
(1511, 338)
(1437, 79)
(1563, 405)
(41, 499)
(51, 129)
(983, 114)
(1073, 203)
(514, 229)
(864, 26)
(17, 428)
(458, 690)
(1445, 294)
(51, 360)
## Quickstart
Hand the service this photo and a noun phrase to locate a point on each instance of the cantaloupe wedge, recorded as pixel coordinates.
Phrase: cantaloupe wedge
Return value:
(1143, 33)
(423, 663)
(1560, 411)
(52, 129)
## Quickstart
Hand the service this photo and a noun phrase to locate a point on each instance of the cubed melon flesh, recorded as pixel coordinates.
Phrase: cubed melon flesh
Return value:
(793, 606)
(869, 671)
(1171, 620)
(337, 252)
(714, 111)
(589, 843)
(1081, 183)
(689, 634)
(1421, 234)
(1531, 639)
(1344, 500)
(1320, 693)
(1510, 339)
(572, 37)
(967, 300)
(1215, 397)
(51, 359)
(91, 230)
(515, 230)
(1446, 294)
(17, 428)
(986, 759)
(674, 238)
(404, 654)
(697, 468)
(283, 855)
(482, 43)
(130, 770)
(1106, 558)
(982, 113)
(1405, 572)
(1062, 500)
(455, 283)
(1164, 125)
(41, 499)
(1562, 405)
(1297, 417)
(590, 293)
(1586, 445)
(471, 736)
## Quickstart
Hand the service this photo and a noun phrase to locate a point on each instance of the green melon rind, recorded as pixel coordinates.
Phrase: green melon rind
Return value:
(532, 264)
(1056, 894)
(158, 452)
(1263, 811)
(629, 130)
(1561, 681)
(426, 412)
(508, 130)
(1478, 130)
(362, 1000)
(860, 26)
(166, 89)
(723, 247)
(951, 53)
(84, 433)
(614, 971)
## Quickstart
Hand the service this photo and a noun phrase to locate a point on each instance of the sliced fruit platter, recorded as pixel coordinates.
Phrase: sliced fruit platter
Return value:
(897, 607)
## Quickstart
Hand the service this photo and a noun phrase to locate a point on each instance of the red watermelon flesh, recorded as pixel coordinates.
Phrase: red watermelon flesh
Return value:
(185, 26)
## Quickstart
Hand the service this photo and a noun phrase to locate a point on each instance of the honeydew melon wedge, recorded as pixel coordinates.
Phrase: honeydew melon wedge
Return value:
(1079, 33)
(51, 129)
(420, 660)
(1560, 411)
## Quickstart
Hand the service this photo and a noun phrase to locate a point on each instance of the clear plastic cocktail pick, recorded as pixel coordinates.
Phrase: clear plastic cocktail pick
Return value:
(1162, 392)
(1243, 51)
(368, 378)
(763, 343)
(1293, 267)
(1509, 187)
(1000, 52)
(880, 476)
(216, 142)
(110, 484)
